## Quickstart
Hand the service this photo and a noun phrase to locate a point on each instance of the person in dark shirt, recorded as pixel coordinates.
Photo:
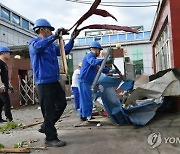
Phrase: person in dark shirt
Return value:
(4, 85)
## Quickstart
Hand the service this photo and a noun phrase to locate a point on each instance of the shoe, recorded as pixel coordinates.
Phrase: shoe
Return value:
(9, 119)
(90, 118)
(95, 114)
(55, 143)
(2, 120)
(83, 118)
(78, 112)
(41, 130)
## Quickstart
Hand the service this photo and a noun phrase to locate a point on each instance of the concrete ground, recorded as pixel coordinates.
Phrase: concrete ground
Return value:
(88, 138)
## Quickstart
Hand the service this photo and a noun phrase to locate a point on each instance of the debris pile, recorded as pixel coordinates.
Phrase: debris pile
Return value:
(137, 106)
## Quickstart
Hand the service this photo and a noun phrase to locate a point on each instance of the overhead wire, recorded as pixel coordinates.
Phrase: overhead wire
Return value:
(147, 4)
(114, 1)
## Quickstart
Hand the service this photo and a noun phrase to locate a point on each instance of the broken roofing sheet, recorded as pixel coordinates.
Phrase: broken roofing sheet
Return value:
(137, 115)
(148, 98)
(166, 85)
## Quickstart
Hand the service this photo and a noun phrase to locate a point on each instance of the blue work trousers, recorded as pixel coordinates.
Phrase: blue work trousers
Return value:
(75, 91)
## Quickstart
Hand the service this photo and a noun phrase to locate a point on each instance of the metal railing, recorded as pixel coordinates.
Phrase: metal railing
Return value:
(27, 91)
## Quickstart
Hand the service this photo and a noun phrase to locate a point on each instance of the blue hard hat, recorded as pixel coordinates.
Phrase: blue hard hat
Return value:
(95, 44)
(4, 49)
(42, 23)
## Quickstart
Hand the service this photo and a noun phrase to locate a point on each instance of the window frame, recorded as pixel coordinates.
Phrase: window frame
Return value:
(162, 51)
(6, 11)
(14, 18)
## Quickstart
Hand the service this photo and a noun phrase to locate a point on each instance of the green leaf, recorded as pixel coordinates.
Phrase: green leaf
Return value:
(1, 146)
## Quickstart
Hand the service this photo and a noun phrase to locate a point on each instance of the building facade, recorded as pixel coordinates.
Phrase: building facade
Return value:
(15, 29)
(136, 46)
(165, 35)
(16, 32)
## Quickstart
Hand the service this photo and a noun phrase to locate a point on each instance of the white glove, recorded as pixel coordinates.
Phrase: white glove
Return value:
(2, 87)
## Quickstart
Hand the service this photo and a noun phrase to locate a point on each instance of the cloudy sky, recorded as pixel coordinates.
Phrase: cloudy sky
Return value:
(62, 13)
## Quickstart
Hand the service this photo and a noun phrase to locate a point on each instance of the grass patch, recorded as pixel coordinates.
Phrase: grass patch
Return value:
(9, 126)
(1, 146)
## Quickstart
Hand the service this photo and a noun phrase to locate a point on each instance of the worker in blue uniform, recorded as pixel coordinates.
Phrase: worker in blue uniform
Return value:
(43, 55)
(88, 71)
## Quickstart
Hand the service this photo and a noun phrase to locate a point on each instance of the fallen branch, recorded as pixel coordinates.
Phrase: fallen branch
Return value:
(30, 125)
(14, 150)
(38, 148)
(21, 150)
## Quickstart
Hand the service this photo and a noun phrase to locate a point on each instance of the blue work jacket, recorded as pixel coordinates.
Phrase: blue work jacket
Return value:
(89, 69)
(43, 55)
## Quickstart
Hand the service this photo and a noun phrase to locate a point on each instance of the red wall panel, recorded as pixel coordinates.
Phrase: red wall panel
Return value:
(175, 17)
(14, 65)
(163, 18)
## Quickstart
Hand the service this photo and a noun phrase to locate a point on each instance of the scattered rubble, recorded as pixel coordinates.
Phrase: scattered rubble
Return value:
(21, 147)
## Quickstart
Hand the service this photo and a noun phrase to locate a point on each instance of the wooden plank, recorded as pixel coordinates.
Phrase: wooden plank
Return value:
(63, 56)
(14, 150)
(33, 124)
(38, 148)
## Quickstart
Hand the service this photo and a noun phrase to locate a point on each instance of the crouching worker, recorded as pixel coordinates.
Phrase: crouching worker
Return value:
(88, 71)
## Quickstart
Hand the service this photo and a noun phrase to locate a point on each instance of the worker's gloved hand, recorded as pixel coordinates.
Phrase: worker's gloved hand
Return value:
(113, 71)
(2, 88)
(109, 61)
(61, 31)
(11, 89)
(75, 33)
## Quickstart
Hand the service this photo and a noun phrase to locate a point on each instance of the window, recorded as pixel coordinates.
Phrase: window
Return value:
(5, 13)
(25, 24)
(89, 40)
(122, 37)
(15, 19)
(147, 35)
(113, 38)
(162, 51)
(138, 60)
(139, 35)
(31, 27)
(137, 54)
(130, 36)
(139, 66)
(105, 38)
(97, 38)
(82, 41)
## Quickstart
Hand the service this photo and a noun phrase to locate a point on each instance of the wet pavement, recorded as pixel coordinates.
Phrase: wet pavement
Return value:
(88, 138)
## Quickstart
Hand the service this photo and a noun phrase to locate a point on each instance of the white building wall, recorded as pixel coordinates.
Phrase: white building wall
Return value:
(146, 55)
(78, 54)
(13, 35)
(136, 46)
